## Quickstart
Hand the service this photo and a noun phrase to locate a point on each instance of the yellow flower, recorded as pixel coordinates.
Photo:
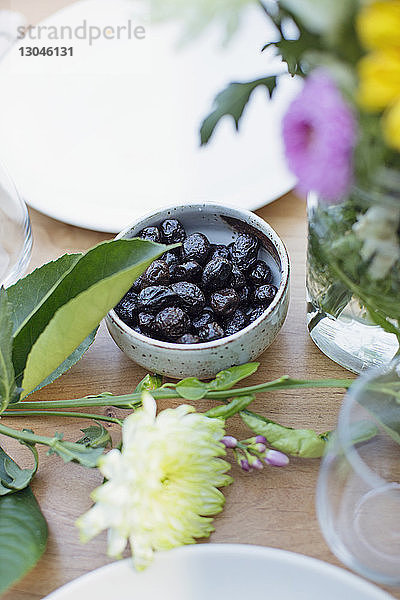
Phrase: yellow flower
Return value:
(378, 24)
(162, 488)
(391, 126)
(379, 74)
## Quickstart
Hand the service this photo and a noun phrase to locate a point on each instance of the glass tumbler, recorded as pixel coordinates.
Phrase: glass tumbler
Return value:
(15, 232)
(358, 491)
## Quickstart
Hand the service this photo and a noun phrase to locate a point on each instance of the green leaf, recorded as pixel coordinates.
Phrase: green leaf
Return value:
(225, 380)
(149, 383)
(28, 293)
(76, 304)
(69, 362)
(191, 388)
(95, 436)
(23, 536)
(297, 442)
(232, 101)
(12, 477)
(8, 391)
(225, 411)
(75, 452)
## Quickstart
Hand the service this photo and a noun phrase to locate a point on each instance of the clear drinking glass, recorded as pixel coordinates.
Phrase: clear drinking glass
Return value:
(15, 232)
(358, 492)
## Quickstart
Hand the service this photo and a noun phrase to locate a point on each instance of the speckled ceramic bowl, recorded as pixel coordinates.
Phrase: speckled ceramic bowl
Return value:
(220, 224)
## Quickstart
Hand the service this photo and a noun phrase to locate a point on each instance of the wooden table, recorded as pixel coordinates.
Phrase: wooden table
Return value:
(273, 508)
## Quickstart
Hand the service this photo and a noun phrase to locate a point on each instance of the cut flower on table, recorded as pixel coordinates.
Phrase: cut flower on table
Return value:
(162, 487)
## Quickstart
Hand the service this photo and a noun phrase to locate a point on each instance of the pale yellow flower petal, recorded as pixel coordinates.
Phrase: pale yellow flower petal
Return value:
(162, 488)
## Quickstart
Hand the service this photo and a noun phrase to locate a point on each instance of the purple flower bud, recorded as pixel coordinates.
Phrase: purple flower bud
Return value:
(245, 465)
(260, 439)
(229, 441)
(276, 458)
(255, 463)
(259, 447)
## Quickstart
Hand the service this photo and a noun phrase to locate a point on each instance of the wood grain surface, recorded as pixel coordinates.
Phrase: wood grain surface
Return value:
(273, 508)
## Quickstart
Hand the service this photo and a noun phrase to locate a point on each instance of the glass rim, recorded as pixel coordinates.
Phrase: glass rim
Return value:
(343, 427)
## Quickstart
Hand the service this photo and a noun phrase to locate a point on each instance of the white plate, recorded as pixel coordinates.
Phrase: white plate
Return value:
(100, 138)
(218, 571)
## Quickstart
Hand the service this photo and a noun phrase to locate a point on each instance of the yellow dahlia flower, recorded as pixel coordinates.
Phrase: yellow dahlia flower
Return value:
(161, 488)
(378, 24)
(379, 74)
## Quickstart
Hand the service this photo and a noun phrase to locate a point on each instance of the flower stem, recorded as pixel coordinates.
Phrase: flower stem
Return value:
(27, 436)
(134, 399)
(57, 413)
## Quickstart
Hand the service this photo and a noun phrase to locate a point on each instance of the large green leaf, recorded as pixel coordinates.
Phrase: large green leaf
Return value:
(76, 305)
(28, 293)
(26, 296)
(23, 536)
(232, 101)
(7, 379)
(68, 362)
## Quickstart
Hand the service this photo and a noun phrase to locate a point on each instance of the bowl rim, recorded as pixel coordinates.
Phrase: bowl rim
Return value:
(283, 286)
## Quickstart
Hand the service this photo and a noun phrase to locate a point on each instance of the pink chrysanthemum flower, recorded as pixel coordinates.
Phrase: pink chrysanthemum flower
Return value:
(319, 132)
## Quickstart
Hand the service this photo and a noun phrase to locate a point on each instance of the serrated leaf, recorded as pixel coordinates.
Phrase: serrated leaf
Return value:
(225, 380)
(77, 304)
(7, 378)
(12, 477)
(292, 51)
(232, 101)
(23, 536)
(95, 436)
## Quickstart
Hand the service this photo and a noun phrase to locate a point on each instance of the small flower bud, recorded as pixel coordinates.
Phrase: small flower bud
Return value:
(260, 439)
(259, 447)
(244, 464)
(276, 458)
(229, 441)
(255, 463)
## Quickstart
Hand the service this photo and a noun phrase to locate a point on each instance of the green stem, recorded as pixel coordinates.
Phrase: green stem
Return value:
(134, 400)
(28, 436)
(56, 413)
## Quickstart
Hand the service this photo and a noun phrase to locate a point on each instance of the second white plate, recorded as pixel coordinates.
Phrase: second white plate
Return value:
(218, 571)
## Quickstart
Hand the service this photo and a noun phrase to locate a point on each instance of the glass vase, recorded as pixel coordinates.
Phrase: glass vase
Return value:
(353, 275)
